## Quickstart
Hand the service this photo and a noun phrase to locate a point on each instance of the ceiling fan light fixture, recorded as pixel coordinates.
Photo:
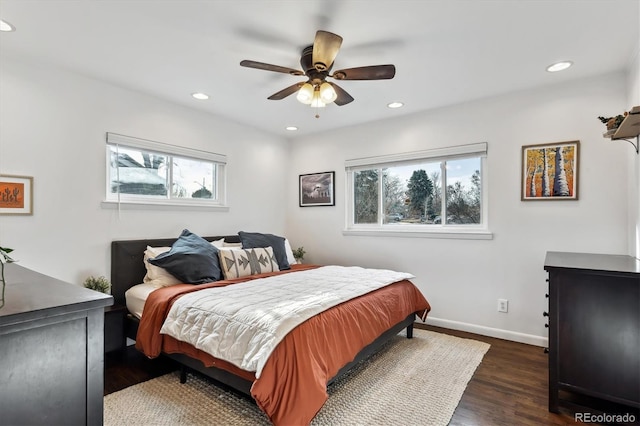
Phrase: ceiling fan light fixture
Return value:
(317, 101)
(305, 94)
(317, 61)
(327, 93)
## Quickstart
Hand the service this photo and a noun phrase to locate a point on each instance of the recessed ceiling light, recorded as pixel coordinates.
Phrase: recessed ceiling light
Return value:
(395, 105)
(291, 128)
(559, 66)
(5, 26)
(200, 96)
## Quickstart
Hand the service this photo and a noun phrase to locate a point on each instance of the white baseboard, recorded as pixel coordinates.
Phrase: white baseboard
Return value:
(514, 336)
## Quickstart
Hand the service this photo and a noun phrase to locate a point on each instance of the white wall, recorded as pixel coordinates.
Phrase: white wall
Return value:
(53, 128)
(463, 279)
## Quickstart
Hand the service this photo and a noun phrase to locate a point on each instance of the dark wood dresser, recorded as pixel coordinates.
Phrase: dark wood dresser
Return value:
(594, 329)
(51, 351)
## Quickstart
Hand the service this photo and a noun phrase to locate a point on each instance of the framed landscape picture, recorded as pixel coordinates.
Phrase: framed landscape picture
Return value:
(16, 194)
(317, 189)
(550, 171)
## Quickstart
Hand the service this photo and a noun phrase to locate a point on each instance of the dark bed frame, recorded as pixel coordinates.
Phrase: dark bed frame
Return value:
(127, 270)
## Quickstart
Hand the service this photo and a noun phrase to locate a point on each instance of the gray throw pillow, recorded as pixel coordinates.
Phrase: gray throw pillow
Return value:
(192, 259)
(259, 240)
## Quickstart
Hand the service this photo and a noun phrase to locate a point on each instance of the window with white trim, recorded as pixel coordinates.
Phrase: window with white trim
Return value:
(437, 190)
(147, 172)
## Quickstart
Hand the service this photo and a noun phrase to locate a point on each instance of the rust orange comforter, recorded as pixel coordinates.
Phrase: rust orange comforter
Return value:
(293, 384)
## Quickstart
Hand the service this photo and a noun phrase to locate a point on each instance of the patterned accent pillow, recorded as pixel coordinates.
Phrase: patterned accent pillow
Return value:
(256, 239)
(242, 263)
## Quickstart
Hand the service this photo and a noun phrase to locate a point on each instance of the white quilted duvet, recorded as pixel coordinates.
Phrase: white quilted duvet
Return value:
(243, 323)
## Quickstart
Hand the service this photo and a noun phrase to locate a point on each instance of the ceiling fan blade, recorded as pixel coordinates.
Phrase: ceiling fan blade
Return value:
(325, 49)
(285, 92)
(269, 67)
(343, 97)
(374, 72)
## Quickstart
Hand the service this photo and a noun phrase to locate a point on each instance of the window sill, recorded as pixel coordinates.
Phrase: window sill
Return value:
(449, 233)
(161, 205)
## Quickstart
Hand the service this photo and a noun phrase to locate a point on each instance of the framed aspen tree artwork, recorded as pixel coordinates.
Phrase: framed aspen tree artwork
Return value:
(550, 171)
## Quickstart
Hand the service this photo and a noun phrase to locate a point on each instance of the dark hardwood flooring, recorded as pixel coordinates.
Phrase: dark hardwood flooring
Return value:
(508, 388)
(130, 367)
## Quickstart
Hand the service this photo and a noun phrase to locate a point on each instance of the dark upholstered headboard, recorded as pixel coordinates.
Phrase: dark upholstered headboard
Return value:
(127, 267)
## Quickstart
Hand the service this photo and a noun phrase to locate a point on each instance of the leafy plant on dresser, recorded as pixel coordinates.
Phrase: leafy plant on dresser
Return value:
(100, 284)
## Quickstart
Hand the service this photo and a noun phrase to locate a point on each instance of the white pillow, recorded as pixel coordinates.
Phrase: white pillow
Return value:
(155, 274)
(228, 245)
(290, 257)
(218, 243)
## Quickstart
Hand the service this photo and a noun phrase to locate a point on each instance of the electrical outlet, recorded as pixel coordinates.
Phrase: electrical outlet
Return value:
(503, 305)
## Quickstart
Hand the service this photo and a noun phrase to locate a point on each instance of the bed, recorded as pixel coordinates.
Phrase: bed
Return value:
(291, 386)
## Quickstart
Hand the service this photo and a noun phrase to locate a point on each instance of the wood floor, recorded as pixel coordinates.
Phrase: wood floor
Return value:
(508, 388)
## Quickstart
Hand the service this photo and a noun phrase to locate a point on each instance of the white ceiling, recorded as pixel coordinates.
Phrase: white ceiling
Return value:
(445, 51)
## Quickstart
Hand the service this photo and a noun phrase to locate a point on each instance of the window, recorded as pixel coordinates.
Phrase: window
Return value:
(439, 191)
(147, 172)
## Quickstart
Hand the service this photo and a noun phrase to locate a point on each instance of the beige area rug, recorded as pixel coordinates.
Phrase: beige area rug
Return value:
(415, 381)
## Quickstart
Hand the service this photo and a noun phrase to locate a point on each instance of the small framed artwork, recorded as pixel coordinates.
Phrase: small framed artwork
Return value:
(16, 194)
(550, 171)
(317, 189)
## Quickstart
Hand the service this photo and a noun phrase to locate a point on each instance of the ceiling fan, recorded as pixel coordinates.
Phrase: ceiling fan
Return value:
(317, 61)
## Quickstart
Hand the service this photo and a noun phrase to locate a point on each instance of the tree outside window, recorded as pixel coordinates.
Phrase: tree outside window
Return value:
(412, 193)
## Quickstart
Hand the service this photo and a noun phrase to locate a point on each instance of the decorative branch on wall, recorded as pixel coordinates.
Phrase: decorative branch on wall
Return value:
(624, 127)
(550, 171)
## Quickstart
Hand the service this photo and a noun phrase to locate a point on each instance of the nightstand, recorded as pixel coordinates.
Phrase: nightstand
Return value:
(114, 339)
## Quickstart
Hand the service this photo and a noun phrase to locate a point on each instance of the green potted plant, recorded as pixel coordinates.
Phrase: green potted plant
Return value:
(100, 284)
(299, 254)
